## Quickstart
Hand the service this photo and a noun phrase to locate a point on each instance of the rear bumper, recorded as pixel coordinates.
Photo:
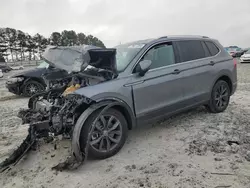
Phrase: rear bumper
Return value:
(14, 88)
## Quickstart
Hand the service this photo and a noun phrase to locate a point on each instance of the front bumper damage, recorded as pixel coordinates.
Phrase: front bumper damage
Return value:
(41, 127)
(60, 110)
(34, 133)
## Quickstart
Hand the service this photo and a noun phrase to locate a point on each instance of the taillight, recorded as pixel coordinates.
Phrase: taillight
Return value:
(235, 63)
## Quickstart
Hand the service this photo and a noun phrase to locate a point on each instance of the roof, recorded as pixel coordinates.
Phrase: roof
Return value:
(139, 42)
(146, 41)
(184, 37)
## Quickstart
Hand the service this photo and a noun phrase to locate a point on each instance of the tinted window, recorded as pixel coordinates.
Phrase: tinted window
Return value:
(160, 55)
(190, 50)
(207, 53)
(212, 48)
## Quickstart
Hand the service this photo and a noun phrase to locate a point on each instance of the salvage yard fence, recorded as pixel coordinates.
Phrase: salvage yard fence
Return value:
(22, 63)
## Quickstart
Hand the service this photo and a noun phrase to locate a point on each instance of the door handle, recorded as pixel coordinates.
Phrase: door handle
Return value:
(212, 63)
(176, 71)
(134, 83)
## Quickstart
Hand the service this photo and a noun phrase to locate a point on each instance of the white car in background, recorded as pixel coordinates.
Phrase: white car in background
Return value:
(245, 58)
(1, 73)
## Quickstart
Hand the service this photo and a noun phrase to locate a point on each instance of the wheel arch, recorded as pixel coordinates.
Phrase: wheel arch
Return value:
(124, 108)
(227, 79)
(101, 104)
(40, 80)
(28, 79)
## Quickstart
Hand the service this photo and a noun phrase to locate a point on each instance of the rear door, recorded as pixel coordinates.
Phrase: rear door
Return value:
(196, 67)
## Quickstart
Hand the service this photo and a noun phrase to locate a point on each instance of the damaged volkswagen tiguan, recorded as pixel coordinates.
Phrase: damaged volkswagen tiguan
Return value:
(109, 91)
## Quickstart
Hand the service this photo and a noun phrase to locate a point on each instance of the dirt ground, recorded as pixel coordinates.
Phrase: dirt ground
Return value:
(191, 150)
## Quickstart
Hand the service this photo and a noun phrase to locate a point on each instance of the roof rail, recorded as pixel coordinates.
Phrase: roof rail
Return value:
(183, 36)
(163, 37)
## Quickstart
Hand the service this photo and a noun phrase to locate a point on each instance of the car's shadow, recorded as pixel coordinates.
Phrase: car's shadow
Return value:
(191, 113)
(144, 133)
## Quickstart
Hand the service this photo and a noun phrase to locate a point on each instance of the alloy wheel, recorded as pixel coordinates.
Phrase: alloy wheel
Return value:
(221, 96)
(107, 133)
(32, 89)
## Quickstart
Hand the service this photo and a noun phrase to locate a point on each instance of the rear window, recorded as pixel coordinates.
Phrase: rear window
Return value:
(190, 50)
(212, 48)
(207, 53)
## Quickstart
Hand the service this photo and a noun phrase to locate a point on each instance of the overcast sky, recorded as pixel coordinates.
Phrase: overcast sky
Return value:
(115, 21)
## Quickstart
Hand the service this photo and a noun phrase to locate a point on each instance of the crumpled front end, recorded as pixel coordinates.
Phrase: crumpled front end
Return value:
(50, 114)
(57, 110)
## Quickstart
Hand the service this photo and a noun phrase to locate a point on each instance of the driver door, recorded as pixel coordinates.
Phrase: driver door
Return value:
(159, 91)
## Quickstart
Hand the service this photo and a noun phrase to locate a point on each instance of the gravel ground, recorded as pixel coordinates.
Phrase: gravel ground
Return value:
(191, 150)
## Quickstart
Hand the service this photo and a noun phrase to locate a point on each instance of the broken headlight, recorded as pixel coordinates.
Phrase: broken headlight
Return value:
(75, 98)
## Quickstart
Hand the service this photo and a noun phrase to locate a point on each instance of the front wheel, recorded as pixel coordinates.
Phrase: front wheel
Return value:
(108, 136)
(220, 97)
(32, 87)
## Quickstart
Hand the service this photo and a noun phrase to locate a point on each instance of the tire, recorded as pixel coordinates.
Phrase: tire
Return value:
(220, 97)
(37, 87)
(104, 153)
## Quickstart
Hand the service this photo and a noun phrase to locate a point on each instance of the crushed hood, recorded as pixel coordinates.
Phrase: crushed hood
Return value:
(77, 58)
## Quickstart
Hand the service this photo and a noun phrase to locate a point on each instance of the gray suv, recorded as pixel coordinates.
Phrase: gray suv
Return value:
(134, 84)
(159, 78)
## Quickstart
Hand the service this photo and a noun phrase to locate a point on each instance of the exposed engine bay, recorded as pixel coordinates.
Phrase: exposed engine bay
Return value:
(58, 105)
(56, 111)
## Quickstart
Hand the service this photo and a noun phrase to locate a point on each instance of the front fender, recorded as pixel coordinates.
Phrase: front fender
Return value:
(129, 114)
(76, 149)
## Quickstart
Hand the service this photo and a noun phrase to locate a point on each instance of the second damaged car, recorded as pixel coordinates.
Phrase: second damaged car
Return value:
(109, 91)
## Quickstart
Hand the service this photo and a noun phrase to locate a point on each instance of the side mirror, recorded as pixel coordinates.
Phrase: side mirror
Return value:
(143, 67)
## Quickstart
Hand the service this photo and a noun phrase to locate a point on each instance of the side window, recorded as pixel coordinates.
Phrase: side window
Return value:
(160, 55)
(207, 53)
(212, 48)
(190, 50)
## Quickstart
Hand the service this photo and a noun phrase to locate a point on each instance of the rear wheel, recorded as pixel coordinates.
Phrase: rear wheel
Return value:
(32, 87)
(220, 97)
(109, 134)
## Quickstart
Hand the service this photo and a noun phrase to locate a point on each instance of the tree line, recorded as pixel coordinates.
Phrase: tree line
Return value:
(15, 45)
